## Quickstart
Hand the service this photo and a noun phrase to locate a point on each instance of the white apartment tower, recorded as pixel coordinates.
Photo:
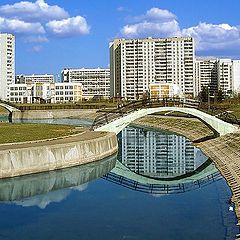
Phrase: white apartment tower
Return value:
(134, 64)
(225, 75)
(218, 74)
(236, 75)
(7, 63)
(206, 74)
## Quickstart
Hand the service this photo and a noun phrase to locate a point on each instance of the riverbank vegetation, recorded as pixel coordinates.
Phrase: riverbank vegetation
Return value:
(12, 133)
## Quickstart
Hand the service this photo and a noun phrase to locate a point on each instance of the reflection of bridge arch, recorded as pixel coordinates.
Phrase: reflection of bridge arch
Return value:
(123, 176)
(217, 124)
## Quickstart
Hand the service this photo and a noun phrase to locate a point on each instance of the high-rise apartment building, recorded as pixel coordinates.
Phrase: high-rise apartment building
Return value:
(7, 63)
(218, 74)
(225, 78)
(95, 81)
(236, 75)
(135, 64)
(206, 74)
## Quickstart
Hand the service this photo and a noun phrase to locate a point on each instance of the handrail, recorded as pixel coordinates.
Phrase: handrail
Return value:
(109, 115)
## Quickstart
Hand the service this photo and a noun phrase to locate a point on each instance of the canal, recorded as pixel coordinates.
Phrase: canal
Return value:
(158, 187)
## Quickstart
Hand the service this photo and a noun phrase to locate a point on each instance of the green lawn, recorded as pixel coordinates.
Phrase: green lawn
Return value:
(3, 111)
(11, 132)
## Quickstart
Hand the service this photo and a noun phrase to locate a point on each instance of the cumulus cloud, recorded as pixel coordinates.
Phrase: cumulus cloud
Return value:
(20, 27)
(36, 22)
(36, 39)
(214, 36)
(155, 23)
(159, 23)
(146, 29)
(68, 27)
(33, 11)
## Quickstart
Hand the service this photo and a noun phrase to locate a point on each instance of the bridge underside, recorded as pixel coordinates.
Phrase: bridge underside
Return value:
(218, 125)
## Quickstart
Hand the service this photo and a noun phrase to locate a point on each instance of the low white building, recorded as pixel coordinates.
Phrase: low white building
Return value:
(45, 92)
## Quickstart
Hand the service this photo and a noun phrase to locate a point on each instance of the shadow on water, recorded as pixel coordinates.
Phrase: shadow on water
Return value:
(18, 188)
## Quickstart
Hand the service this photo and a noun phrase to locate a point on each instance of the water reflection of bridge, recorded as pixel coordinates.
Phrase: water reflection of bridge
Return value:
(166, 188)
(157, 162)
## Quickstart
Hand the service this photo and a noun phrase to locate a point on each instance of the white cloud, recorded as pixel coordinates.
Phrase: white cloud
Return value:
(214, 36)
(37, 11)
(155, 23)
(20, 27)
(36, 39)
(68, 27)
(151, 29)
(37, 48)
(159, 23)
(37, 21)
(157, 14)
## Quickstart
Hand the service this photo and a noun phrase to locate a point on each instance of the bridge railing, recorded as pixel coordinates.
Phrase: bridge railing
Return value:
(108, 115)
(162, 188)
(8, 103)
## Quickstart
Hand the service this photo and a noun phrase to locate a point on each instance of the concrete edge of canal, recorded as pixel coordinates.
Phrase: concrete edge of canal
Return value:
(28, 158)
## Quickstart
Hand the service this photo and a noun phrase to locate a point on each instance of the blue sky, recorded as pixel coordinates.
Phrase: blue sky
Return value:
(51, 35)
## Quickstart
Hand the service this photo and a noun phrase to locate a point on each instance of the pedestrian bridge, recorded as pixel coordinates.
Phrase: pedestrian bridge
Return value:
(117, 125)
(8, 107)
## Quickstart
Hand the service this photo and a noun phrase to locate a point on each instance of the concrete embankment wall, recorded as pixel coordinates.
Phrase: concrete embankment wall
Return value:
(19, 160)
(55, 113)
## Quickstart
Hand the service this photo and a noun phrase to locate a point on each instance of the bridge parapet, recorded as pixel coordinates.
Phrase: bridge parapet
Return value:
(10, 107)
(121, 122)
(188, 106)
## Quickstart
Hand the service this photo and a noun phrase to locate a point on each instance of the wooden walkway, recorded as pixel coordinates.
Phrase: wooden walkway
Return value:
(225, 153)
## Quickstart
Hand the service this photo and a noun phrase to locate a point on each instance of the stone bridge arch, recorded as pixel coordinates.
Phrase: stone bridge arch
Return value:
(218, 125)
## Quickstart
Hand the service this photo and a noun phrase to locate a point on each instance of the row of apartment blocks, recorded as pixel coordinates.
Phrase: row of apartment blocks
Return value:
(137, 64)
(78, 84)
(157, 67)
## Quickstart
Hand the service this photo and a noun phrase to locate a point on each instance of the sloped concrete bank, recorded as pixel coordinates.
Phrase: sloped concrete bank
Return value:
(41, 156)
(54, 113)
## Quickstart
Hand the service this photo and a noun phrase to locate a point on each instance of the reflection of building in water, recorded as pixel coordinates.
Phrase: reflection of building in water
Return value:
(158, 154)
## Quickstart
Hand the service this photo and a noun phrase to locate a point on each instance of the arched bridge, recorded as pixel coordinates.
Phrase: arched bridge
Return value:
(8, 107)
(117, 120)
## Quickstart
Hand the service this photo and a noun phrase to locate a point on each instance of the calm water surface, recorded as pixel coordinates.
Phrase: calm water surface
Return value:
(78, 203)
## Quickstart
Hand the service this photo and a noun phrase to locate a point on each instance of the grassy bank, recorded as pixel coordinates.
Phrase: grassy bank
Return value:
(3, 111)
(11, 133)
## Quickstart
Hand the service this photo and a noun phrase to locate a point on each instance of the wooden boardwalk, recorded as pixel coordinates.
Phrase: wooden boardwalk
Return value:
(225, 153)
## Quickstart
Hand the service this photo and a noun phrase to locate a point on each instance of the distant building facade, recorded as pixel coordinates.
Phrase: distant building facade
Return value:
(135, 64)
(35, 78)
(7, 63)
(46, 92)
(218, 74)
(95, 81)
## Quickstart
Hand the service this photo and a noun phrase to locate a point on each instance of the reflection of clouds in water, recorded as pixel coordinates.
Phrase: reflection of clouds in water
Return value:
(42, 201)
(159, 195)
(81, 187)
(200, 158)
